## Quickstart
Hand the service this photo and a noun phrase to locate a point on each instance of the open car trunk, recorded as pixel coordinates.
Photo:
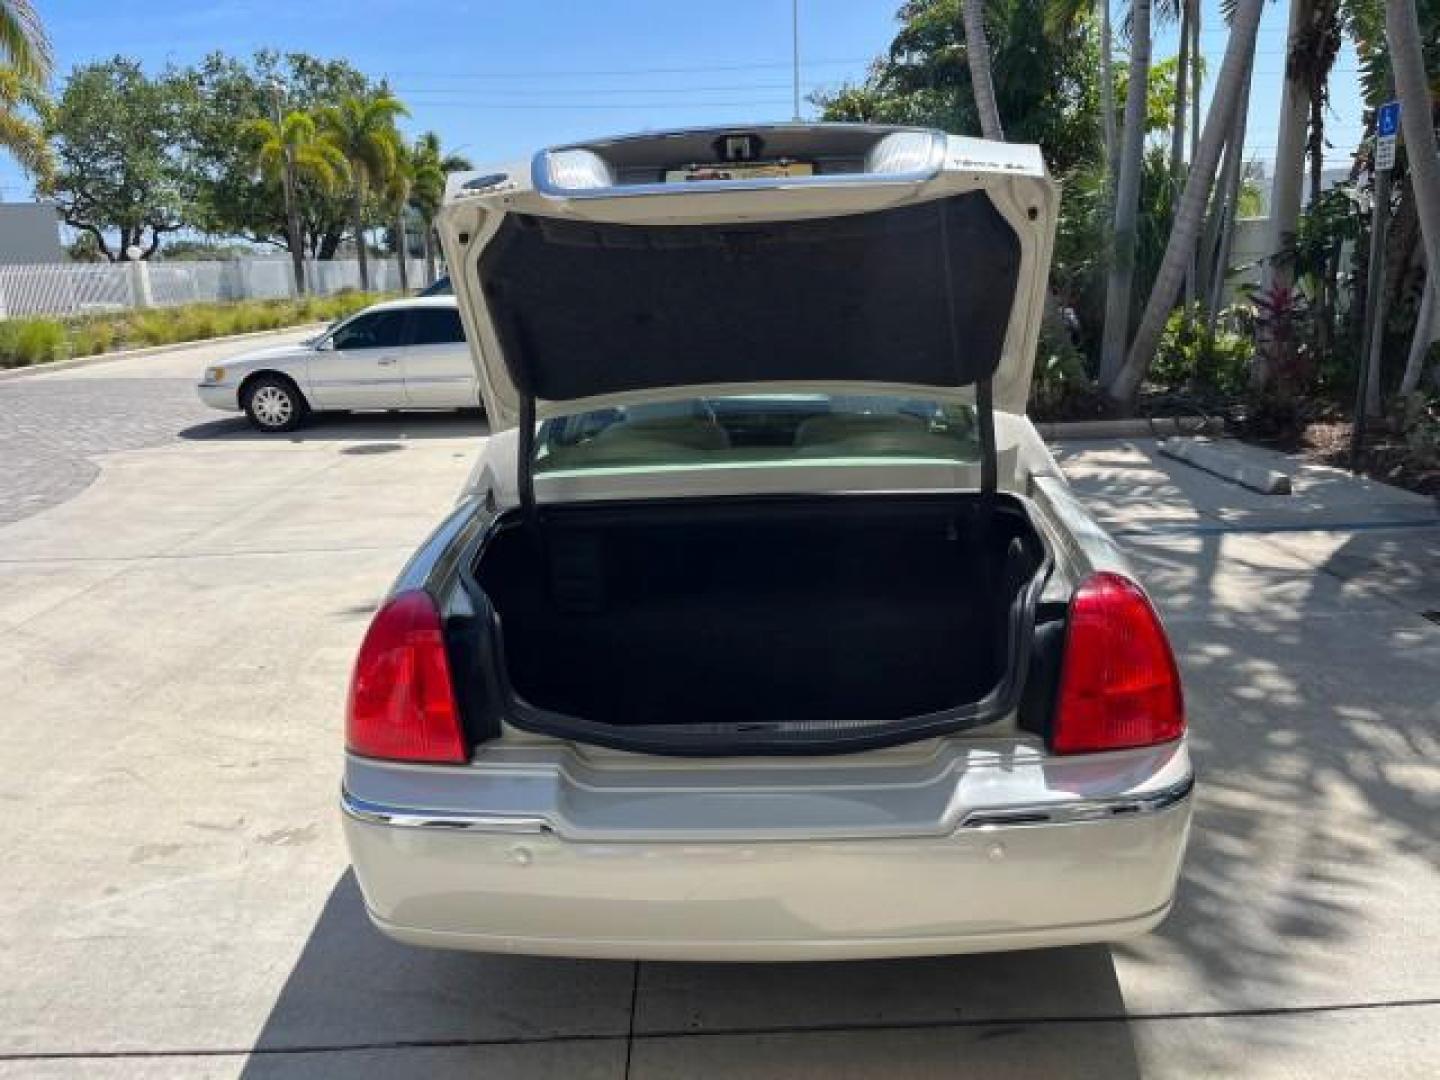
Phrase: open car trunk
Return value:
(781, 624)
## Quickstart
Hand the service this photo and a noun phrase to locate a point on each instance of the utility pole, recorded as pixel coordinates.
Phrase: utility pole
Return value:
(795, 53)
(287, 182)
(1387, 128)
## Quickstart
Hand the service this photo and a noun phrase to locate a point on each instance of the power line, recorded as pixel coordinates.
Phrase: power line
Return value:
(620, 72)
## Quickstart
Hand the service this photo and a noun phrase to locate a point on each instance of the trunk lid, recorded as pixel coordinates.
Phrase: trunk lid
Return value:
(827, 258)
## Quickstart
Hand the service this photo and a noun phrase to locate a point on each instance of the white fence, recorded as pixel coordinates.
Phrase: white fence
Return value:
(86, 288)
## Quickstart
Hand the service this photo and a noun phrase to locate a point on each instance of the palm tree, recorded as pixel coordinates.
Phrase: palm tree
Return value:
(977, 53)
(1229, 89)
(363, 129)
(427, 189)
(1417, 119)
(24, 45)
(1120, 286)
(294, 150)
(19, 136)
(398, 185)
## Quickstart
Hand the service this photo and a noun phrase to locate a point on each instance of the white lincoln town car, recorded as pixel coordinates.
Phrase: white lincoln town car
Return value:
(766, 627)
(402, 354)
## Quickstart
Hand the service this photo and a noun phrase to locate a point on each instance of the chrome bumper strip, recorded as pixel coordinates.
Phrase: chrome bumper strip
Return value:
(405, 818)
(1070, 813)
(1065, 813)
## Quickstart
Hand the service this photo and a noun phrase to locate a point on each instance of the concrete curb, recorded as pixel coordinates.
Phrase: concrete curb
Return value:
(1213, 459)
(148, 350)
(1129, 429)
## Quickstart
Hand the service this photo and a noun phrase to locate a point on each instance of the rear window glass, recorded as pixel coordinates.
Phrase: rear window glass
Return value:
(759, 430)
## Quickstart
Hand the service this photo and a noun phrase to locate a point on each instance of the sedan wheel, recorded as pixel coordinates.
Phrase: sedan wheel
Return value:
(274, 405)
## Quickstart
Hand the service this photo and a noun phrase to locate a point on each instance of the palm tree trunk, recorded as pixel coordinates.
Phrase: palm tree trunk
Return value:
(1177, 120)
(402, 249)
(1192, 272)
(1418, 121)
(1107, 96)
(429, 254)
(1289, 179)
(1229, 204)
(977, 52)
(357, 211)
(1229, 89)
(293, 236)
(1120, 286)
(1427, 332)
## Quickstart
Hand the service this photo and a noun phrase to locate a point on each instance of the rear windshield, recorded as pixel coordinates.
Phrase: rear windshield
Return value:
(759, 430)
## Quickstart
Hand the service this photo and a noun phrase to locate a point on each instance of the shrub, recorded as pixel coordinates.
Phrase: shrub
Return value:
(1185, 360)
(36, 341)
(1061, 389)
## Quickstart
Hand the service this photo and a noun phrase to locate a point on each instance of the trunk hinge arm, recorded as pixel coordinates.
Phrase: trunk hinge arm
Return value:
(984, 396)
(525, 458)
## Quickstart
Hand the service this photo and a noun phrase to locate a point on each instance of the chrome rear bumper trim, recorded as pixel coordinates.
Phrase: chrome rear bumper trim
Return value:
(1065, 813)
(406, 818)
(1070, 813)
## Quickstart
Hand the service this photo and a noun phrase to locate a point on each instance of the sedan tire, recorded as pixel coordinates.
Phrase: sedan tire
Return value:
(274, 404)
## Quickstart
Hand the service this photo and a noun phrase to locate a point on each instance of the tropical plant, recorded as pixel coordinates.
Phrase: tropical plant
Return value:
(1121, 283)
(24, 46)
(1044, 72)
(1229, 86)
(22, 134)
(362, 127)
(398, 184)
(227, 200)
(430, 166)
(287, 153)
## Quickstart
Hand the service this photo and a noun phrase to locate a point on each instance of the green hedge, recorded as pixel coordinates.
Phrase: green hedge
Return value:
(36, 341)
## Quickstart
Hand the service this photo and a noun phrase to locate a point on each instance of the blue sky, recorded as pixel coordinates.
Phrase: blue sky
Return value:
(498, 80)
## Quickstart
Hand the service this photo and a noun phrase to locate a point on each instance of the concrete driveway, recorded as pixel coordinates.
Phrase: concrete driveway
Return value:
(175, 636)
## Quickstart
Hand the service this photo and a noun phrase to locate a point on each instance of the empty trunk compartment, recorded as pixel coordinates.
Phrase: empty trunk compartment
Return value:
(791, 617)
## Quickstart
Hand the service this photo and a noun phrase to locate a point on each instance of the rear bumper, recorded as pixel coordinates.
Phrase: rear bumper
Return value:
(990, 884)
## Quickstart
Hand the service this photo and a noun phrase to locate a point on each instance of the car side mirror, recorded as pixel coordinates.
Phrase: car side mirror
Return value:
(324, 344)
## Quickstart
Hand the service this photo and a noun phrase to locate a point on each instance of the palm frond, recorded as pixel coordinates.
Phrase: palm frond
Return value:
(24, 44)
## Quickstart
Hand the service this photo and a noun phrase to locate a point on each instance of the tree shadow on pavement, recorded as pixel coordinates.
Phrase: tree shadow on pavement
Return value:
(1310, 686)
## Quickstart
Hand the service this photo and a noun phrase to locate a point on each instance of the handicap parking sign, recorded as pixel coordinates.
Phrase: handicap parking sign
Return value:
(1387, 120)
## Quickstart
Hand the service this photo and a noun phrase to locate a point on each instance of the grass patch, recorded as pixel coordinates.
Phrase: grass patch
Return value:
(37, 341)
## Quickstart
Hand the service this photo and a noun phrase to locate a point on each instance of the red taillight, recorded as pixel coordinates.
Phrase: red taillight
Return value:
(402, 703)
(1119, 686)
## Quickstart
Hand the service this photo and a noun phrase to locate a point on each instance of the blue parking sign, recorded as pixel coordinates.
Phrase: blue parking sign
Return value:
(1387, 120)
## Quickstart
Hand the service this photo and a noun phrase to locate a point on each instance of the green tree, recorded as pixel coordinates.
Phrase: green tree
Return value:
(363, 129)
(120, 141)
(1044, 72)
(232, 91)
(287, 154)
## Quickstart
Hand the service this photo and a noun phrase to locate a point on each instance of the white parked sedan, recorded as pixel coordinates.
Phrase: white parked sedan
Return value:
(767, 627)
(403, 354)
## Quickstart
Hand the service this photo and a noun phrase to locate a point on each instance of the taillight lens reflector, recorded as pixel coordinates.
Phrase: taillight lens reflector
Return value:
(402, 702)
(1119, 685)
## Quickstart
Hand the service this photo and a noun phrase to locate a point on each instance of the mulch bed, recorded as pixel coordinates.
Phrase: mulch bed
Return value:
(1387, 458)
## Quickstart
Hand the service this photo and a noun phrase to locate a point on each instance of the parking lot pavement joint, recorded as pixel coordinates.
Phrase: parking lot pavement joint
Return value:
(1179, 1015)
